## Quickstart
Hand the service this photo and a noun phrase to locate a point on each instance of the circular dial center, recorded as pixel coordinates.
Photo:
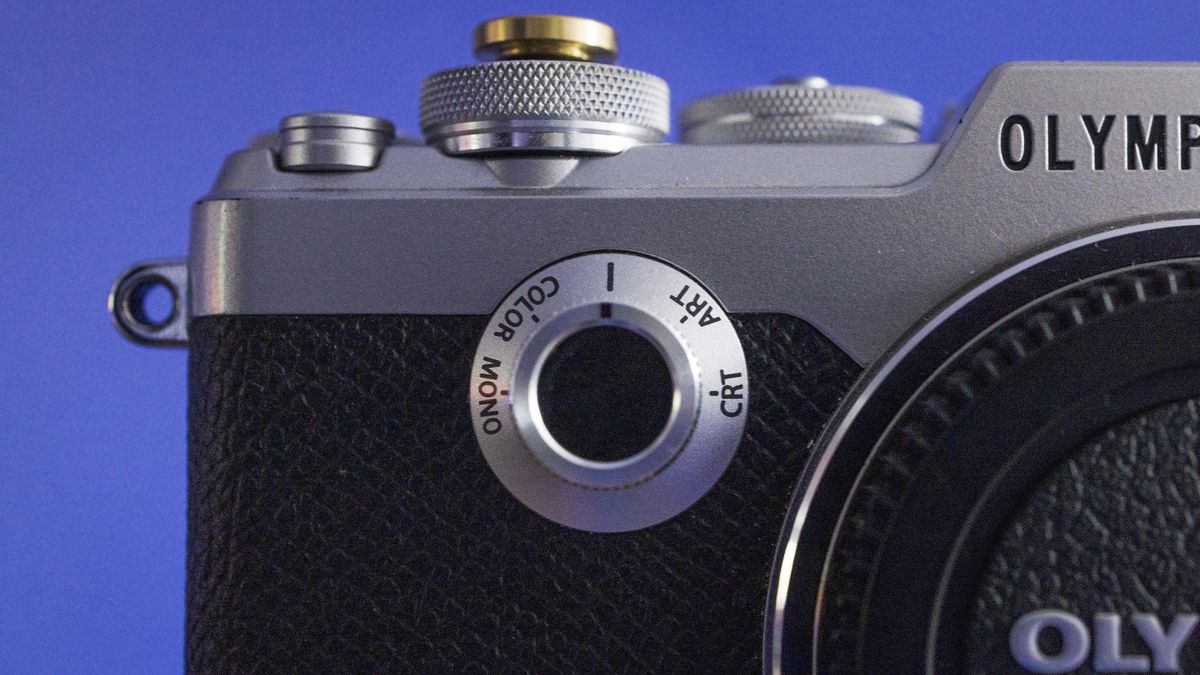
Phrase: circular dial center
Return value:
(609, 391)
(605, 393)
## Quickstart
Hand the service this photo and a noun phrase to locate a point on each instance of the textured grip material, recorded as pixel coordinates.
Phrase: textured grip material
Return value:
(342, 518)
(1137, 485)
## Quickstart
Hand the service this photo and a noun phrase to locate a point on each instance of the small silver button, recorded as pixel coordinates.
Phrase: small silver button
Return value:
(333, 141)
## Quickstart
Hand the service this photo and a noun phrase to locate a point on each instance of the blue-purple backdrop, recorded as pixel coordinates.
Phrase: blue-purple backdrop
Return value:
(115, 116)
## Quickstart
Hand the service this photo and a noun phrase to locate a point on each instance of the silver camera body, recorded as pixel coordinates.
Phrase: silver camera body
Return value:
(543, 203)
(861, 240)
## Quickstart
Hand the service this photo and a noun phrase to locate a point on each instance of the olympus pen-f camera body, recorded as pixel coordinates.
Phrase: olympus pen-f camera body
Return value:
(798, 393)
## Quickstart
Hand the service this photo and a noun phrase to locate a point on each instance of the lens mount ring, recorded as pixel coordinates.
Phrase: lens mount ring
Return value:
(811, 622)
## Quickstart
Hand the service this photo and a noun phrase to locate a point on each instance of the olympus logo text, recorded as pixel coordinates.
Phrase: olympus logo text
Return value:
(1123, 142)
(1158, 649)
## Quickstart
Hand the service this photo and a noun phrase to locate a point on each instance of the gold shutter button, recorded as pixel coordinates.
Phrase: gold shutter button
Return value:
(540, 36)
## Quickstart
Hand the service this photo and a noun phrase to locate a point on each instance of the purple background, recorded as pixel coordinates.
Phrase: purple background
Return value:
(115, 117)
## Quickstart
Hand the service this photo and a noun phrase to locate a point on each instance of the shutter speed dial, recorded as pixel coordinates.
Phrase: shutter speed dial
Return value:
(609, 392)
(552, 89)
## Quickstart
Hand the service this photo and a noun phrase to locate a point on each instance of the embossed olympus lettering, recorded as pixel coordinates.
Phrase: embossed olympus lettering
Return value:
(1143, 143)
(1109, 653)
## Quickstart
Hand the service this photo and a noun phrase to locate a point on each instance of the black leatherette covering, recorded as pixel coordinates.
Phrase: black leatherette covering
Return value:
(342, 518)
(1113, 529)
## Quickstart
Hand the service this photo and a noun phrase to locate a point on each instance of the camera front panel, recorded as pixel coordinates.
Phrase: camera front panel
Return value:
(339, 292)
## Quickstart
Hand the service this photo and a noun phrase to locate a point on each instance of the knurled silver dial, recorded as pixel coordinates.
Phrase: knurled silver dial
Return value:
(543, 105)
(807, 111)
(609, 392)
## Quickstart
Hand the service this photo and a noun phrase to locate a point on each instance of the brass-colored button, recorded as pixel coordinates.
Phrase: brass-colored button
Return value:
(567, 38)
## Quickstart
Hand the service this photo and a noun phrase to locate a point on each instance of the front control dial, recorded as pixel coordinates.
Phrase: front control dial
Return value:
(609, 391)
